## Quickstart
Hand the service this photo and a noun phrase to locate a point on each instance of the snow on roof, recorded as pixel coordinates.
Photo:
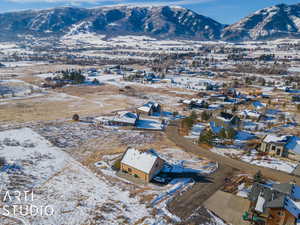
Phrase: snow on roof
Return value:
(251, 113)
(274, 138)
(125, 116)
(187, 101)
(142, 161)
(292, 206)
(258, 104)
(147, 107)
(144, 108)
(260, 203)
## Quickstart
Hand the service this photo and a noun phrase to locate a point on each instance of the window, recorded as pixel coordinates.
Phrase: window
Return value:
(273, 148)
(278, 152)
(280, 213)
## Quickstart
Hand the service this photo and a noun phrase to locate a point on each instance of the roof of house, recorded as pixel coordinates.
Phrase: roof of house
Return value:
(258, 104)
(293, 144)
(285, 188)
(285, 196)
(125, 117)
(143, 161)
(225, 115)
(274, 138)
(250, 113)
(147, 107)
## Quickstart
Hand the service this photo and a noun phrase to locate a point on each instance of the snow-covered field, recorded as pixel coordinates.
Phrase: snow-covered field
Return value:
(37, 158)
(81, 197)
(142, 42)
(12, 89)
(76, 194)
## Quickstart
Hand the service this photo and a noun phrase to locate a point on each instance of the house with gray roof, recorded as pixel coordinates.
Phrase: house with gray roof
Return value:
(272, 204)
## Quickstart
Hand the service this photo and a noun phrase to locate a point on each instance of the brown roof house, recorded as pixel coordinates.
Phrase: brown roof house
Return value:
(143, 165)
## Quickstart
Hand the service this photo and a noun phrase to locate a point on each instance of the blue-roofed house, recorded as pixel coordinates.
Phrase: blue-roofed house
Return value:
(258, 105)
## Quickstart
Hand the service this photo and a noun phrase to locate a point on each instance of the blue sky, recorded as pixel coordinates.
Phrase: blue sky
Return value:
(224, 11)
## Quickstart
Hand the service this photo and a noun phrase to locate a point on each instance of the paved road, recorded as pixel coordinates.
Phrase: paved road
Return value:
(185, 204)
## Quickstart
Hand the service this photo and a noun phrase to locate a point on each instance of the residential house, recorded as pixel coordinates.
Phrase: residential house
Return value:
(274, 204)
(282, 146)
(250, 114)
(195, 103)
(226, 120)
(143, 165)
(258, 105)
(149, 108)
(274, 144)
(123, 118)
(231, 92)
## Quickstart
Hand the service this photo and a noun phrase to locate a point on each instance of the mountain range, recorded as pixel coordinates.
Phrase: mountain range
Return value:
(166, 22)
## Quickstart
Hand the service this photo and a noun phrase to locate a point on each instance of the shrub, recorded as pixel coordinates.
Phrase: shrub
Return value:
(258, 178)
(117, 164)
(75, 117)
(205, 116)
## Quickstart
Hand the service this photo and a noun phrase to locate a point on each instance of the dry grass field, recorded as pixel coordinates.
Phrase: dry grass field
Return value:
(62, 103)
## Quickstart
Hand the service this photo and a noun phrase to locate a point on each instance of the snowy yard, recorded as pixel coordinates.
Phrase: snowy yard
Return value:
(149, 124)
(253, 158)
(269, 162)
(196, 131)
(178, 162)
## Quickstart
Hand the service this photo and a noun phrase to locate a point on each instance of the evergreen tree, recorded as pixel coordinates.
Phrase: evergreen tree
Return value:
(206, 137)
(258, 178)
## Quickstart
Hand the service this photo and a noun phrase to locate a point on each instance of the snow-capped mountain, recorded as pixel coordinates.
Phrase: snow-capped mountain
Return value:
(279, 21)
(162, 22)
